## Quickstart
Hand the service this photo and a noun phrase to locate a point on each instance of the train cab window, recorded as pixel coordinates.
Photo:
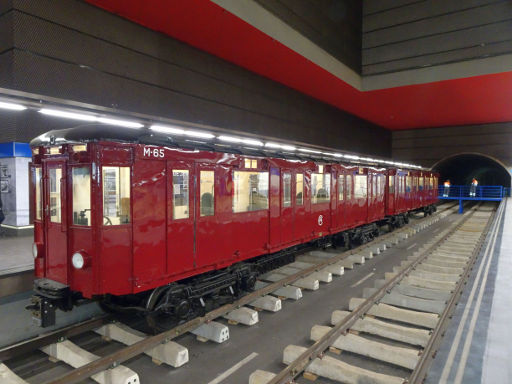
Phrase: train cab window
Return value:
(250, 192)
(81, 179)
(55, 201)
(207, 193)
(320, 188)
(180, 193)
(299, 189)
(116, 195)
(341, 187)
(287, 190)
(37, 182)
(349, 187)
(361, 187)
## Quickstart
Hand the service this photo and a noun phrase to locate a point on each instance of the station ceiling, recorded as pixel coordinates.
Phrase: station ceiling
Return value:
(234, 31)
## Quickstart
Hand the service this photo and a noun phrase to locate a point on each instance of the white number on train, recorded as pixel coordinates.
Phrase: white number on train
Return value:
(153, 152)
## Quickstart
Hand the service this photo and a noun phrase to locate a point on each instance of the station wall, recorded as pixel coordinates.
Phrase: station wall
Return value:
(72, 50)
(406, 34)
(428, 146)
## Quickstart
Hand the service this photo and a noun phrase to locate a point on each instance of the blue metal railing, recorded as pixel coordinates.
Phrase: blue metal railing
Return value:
(467, 192)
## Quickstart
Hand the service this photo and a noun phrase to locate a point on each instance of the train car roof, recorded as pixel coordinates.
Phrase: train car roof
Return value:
(99, 132)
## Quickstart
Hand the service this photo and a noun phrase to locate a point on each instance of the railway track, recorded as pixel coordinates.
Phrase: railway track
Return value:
(287, 282)
(398, 324)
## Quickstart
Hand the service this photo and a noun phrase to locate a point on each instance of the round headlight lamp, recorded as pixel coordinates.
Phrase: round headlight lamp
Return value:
(37, 250)
(78, 260)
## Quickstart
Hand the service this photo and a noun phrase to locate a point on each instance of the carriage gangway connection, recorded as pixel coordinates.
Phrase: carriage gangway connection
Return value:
(463, 193)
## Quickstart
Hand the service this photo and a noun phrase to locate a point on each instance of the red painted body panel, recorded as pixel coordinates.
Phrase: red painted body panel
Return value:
(154, 249)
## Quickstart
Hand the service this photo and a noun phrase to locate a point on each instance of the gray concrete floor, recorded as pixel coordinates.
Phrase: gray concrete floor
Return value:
(15, 254)
(267, 339)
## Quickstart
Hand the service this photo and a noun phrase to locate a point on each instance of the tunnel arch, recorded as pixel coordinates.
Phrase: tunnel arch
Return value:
(462, 167)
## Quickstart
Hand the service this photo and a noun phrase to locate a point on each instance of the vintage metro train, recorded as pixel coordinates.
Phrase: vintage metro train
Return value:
(141, 219)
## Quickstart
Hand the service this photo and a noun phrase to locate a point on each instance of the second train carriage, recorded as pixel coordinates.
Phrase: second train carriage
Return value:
(120, 214)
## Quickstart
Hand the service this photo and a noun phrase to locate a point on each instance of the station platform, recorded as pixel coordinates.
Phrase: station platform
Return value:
(16, 254)
(477, 347)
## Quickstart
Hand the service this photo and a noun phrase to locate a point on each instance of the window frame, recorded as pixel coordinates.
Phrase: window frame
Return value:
(206, 169)
(254, 171)
(89, 167)
(173, 194)
(102, 184)
(329, 192)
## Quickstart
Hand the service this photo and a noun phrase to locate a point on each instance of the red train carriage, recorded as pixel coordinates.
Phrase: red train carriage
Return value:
(136, 218)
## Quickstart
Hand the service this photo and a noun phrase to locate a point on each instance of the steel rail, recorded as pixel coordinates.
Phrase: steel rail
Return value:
(288, 374)
(30, 345)
(420, 371)
(149, 342)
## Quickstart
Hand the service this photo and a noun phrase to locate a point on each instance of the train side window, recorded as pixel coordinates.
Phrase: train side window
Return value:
(299, 189)
(180, 192)
(408, 182)
(55, 200)
(421, 184)
(81, 179)
(116, 195)
(287, 190)
(320, 188)
(39, 204)
(361, 186)
(391, 189)
(349, 187)
(341, 187)
(250, 192)
(207, 193)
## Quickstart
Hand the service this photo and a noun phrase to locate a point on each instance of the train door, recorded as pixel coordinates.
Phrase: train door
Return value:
(180, 217)
(149, 200)
(55, 220)
(341, 201)
(390, 193)
(301, 229)
(206, 195)
(287, 206)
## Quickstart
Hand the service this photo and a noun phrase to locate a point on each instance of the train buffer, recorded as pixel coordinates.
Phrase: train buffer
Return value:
(464, 193)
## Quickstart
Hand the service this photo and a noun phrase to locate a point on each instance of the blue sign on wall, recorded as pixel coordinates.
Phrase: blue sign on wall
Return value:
(14, 149)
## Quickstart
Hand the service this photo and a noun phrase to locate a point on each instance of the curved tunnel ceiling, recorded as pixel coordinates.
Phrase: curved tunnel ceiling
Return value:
(461, 169)
(209, 27)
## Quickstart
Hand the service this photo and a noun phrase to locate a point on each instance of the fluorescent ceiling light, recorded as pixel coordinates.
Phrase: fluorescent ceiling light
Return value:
(166, 129)
(230, 139)
(202, 135)
(309, 150)
(256, 143)
(12, 106)
(120, 123)
(281, 146)
(352, 157)
(67, 115)
(336, 154)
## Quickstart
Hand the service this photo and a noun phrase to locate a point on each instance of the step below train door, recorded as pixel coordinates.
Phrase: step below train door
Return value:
(55, 219)
(182, 181)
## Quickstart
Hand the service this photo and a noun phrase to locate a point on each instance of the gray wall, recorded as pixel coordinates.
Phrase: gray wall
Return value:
(333, 25)
(427, 146)
(405, 34)
(72, 50)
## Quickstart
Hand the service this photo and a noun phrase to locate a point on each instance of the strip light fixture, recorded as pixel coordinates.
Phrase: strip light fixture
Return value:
(173, 130)
(91, 118)
(12, 106)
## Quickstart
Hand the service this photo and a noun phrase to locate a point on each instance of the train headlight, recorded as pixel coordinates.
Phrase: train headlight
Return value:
(35, 250)
(78, 260)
